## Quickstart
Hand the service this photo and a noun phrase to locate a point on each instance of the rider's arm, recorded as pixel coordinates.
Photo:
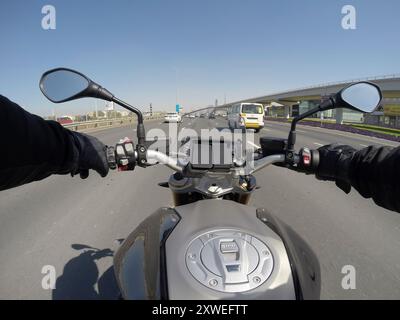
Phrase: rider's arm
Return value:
(33, 148)
(374, 172)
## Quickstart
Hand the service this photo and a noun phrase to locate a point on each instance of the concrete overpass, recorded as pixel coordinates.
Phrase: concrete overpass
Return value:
(292, 102)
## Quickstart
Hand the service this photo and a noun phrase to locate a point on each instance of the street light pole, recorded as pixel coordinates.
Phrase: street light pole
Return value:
(177, 86)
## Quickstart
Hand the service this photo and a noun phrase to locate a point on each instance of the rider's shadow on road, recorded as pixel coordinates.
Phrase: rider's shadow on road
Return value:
(80, 276)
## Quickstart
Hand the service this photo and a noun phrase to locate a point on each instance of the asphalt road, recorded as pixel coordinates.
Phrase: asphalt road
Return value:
(41, 222)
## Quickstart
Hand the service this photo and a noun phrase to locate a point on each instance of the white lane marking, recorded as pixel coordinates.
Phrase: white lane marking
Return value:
(265, 129)
(318, 144)
(253, 145)
(363, 145)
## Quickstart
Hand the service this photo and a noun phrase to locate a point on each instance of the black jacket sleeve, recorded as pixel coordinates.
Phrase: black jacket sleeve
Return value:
(32, 148)
(375, 173)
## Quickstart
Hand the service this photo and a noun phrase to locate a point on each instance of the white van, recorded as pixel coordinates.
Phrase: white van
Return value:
(246, 116)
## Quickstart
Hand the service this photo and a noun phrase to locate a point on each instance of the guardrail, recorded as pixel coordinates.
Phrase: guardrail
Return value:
(106, 123)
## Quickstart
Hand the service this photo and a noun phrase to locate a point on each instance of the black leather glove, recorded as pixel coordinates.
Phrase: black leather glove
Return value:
(91, 154)
(334, 164)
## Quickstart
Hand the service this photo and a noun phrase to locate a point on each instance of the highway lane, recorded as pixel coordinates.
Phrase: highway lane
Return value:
(39, 223)
(324, 136)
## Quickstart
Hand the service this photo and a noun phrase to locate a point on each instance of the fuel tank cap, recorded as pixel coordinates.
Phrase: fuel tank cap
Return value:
(229, 261)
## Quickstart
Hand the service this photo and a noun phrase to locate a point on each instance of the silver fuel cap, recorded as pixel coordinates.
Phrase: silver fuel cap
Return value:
(229, 261)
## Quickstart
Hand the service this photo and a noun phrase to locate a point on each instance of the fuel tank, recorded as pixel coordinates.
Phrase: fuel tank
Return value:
(216, 249)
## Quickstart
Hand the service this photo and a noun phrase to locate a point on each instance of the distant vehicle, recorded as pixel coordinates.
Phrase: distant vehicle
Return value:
(211, 116)
(202, 115)
(65, 120)
(246, 116)
(173, 117)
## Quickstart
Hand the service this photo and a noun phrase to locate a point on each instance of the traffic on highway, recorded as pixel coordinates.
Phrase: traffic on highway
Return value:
(272, 194)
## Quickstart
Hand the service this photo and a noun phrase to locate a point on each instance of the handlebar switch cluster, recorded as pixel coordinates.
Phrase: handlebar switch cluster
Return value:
(305, 156)
(125, 155)
(308, 160)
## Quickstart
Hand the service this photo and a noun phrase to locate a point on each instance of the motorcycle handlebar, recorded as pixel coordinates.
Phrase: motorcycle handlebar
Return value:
(306, 161)
(164, 159)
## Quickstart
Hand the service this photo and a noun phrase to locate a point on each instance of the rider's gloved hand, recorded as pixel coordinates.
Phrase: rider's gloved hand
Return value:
(334, 164)
(91, 154)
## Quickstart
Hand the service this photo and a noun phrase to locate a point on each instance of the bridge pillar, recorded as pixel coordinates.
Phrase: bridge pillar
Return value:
(339, 116)
(287, 112)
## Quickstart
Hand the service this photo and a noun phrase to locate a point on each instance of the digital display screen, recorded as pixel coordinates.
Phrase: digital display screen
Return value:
(208, 153)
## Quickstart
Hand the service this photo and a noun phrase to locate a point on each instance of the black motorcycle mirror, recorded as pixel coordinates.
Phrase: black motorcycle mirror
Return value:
(362, 96)
(62, 84)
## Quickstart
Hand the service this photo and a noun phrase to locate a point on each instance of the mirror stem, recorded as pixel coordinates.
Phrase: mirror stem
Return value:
(141, 134)
(326, 105)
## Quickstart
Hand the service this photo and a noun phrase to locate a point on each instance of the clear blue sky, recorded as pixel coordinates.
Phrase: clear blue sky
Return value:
(238, 48)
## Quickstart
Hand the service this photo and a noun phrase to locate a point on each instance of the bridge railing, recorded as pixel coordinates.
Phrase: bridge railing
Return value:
(329, 84)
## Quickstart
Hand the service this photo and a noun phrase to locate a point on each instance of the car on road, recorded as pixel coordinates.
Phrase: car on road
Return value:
(246, 116)
(173, 117)
(65, 120)
(211, 116)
